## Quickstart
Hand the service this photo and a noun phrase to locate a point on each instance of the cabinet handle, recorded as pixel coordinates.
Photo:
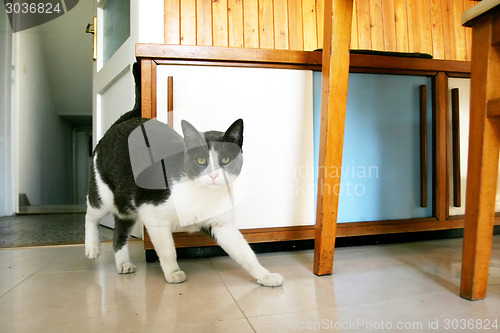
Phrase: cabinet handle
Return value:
(455, 133)
(423, 145)
(170, 104)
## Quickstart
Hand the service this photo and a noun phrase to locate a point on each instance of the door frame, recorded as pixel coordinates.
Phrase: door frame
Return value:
(8, 202)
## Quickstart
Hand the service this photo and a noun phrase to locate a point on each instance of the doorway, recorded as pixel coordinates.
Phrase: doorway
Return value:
(52, 103)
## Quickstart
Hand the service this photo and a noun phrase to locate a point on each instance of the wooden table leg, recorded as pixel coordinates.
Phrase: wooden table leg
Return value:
(484, 144)
(335, 77)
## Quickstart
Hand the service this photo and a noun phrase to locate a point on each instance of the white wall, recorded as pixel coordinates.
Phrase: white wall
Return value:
(6, 202)
(43, 139)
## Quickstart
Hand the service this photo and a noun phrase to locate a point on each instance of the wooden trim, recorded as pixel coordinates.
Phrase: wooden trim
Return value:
(335, 78)
(183, 54)
(455, 134)
(153, 89)
(351, 229)
(223, 63)
(423, 145)
(439, 93)
(146, 88)
(406, 64)
(214, 53)
(170, 103)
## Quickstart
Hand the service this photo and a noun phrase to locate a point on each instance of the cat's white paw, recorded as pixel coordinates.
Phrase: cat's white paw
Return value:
(271, 280)
(92, 251)
(125, 268)
(176, 277)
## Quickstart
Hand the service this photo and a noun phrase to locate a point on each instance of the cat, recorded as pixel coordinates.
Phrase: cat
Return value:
(197, 186)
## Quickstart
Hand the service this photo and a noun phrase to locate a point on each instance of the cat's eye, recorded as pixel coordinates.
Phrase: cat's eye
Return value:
(201, 160)
(225, 160)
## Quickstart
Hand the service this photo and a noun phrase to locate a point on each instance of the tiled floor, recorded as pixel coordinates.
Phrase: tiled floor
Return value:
(57, 289)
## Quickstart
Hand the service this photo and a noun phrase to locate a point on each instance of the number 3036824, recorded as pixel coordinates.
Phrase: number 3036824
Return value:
(32, 8)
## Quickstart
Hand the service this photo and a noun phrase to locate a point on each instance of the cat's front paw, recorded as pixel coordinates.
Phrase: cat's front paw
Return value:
(176, 277)
(92, 251)
(125, 268)
(271, 280)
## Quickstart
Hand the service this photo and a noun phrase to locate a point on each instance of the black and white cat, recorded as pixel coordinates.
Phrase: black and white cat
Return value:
(197, 190)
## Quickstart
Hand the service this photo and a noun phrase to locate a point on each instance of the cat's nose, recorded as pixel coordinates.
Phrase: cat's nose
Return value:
(213, 175)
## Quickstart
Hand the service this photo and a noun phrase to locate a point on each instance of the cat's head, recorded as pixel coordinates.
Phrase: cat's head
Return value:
(213, 158)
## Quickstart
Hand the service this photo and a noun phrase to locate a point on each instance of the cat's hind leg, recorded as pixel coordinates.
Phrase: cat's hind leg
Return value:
(121, 234)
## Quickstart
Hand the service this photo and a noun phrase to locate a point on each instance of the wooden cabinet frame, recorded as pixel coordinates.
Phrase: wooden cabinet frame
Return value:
(152, 55)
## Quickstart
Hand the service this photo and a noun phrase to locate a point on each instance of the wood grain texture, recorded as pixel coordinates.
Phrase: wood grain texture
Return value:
(320, 18)
(461, 41)
(468, 31)
(309, 23)
(389, 25)
(335, 77)
(437, 29)
(281, 25)
(354, 28)
(295, 29)
(439, 95)
(401, 17)
(414, 30)
(266, 25)
(220, 33)
(484, 144)
(146, 88)
(188, 22)
(427, 26)
(376, 25)
(235, 23)
(363, 18)
(172, 24)
(204, 23)
(448, 30)
(251, 23)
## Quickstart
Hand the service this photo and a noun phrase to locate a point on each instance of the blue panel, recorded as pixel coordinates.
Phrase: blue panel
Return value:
(381, 159)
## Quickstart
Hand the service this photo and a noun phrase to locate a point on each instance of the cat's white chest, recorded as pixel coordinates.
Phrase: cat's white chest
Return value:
(194, 204)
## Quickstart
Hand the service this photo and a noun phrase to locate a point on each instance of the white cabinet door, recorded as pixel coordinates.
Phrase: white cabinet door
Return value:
(463, 86)
(276, 106)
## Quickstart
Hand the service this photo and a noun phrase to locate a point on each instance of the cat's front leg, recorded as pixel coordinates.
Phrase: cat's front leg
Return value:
(232, 241)
(163, 241)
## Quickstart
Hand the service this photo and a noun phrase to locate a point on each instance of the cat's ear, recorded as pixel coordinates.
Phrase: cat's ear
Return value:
(192, 138)
(235, 133)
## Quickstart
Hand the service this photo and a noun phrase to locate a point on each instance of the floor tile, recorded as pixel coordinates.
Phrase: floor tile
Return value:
(58, 289)
(426, 313)
(359, 277)
(51, 300)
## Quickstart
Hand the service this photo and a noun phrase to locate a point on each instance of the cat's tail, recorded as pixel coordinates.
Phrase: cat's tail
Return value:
(136, 111)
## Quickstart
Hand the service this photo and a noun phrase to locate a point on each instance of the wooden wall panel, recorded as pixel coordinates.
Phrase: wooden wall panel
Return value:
(309, 24)
(251, 23)
(427, 26)
(389, 25)
(235, 23)
(188, 22)
(281, 24)
(220, 33)
(295, 29)
(203, 22)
